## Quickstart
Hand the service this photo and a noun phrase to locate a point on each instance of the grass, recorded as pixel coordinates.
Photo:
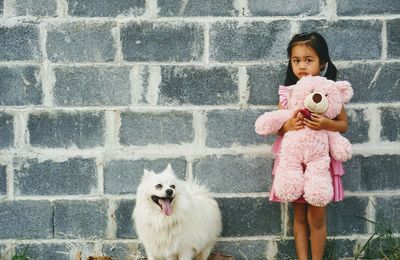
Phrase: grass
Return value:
(22, 256)
(382, 244)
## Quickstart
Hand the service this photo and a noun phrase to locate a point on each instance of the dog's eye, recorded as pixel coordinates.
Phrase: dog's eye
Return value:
(172, 186)
(158, 186)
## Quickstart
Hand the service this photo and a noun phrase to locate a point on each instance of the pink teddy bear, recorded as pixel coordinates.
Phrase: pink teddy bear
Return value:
(307, 147)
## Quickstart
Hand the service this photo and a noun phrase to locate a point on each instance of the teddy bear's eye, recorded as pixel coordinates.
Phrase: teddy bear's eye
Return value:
(326, 95)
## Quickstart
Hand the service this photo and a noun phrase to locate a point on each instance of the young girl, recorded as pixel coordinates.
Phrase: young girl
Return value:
(308, 55)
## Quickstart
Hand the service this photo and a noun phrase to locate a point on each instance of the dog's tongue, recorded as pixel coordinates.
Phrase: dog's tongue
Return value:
(166, 206)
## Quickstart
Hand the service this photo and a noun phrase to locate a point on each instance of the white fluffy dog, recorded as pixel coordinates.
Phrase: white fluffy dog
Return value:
(175, 219)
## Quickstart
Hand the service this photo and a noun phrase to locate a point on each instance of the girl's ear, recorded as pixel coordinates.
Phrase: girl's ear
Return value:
(345, 89)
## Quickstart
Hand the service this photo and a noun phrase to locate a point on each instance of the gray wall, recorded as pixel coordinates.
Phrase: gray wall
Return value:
(94, 91)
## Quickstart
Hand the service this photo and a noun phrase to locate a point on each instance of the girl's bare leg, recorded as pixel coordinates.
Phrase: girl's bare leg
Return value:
(300, 230)
(317, 221)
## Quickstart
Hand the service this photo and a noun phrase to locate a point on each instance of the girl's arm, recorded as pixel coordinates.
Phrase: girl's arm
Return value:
(318, 122)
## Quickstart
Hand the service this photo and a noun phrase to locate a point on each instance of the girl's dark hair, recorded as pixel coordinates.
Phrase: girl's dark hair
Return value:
(318, 44)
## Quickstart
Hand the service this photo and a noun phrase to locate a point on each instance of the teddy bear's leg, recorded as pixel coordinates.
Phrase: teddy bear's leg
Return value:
(288, 182)
(318, 189)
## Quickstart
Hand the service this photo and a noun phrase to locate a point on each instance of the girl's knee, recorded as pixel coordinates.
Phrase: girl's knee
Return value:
(317, 222)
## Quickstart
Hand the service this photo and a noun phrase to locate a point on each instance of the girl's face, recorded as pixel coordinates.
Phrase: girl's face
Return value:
(305, 61)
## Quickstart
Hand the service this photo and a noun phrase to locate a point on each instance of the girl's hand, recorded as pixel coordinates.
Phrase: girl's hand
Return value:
(317, 122)
(294, 123)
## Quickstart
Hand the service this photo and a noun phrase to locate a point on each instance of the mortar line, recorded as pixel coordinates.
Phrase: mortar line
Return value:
(384, 41)
(200, 64)
(150, 16)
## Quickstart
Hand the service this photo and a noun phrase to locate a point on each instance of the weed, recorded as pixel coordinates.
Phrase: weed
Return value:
(22, 256)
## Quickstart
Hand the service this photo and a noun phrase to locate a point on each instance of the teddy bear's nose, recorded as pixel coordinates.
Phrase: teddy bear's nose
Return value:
(317, 97)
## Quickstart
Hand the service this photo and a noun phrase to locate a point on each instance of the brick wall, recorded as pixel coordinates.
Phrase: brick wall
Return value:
(94, 91)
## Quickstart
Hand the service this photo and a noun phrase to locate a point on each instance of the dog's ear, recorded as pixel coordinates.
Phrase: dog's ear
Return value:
(169, 170)
(146, 174)
(169, 167)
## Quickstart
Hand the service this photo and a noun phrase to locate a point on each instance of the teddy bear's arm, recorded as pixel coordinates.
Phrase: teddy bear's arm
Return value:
(339, 146)
(271, 122)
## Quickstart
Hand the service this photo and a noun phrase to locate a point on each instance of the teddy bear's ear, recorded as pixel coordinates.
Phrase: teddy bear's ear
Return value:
(345, 89)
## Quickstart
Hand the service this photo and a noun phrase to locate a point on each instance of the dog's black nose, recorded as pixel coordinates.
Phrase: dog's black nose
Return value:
(169, 192)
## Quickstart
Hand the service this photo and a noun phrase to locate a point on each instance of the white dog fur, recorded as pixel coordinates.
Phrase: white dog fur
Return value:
(183, 229)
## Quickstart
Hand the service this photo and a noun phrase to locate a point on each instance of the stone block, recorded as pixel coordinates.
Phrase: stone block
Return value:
(105, 8)
(380, 172)
(249, 217)
(81, 42)
(229, 127)
(234, 173)
(80, 129)
(36, 8)
(285, 7)
(367, 7)
(369, 81)
(353, 210)
(334, 249)
(92, 86)
(20, 86)
(122, 250)
(349, 39)
(264, 81)
(197, 8)
(6, 130)
(198, 86)
(156, 128)
(390, 121)
(20, 42)
(75, 176)
(358, 126)
(242, 249)
(248, 41)
(164, 42)
(25, 219)
(387, 214)
(352, 179)
(123, 176)
(3, 180)
(393, 37)
(123, 218)
(80, 219)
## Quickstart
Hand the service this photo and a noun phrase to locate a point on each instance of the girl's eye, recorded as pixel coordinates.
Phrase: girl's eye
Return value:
(158, 186)
(172, 186)
(308, 61)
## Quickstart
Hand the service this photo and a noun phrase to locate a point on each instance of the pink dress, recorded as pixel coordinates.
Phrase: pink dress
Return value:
(336, 167)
